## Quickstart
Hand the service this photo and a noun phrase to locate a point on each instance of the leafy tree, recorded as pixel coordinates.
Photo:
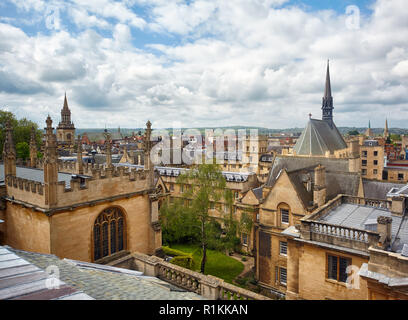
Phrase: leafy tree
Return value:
(21, 129)
(191, 219)
(395, 137)
(353, 133)
(22, 150)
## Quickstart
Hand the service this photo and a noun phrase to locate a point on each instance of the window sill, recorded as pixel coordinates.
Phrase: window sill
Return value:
(343, 284)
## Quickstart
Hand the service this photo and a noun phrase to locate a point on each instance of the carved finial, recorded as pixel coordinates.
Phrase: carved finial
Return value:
(48, 122)
(149, 124)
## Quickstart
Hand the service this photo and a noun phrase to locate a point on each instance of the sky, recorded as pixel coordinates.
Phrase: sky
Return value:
(204, 63)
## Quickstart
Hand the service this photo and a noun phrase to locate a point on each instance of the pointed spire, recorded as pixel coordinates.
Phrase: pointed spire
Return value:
(369, 124)
(327, 104)
(327, 90)
(65, 102)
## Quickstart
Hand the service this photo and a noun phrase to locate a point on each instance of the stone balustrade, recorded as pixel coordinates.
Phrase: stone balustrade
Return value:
(339, 235)
(208, 286)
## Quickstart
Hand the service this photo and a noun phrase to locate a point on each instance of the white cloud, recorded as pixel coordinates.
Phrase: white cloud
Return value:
(233, 63)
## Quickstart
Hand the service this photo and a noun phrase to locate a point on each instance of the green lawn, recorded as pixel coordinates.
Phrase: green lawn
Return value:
(218, 264)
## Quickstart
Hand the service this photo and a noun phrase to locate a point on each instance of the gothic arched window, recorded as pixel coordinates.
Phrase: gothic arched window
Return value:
(109, 233)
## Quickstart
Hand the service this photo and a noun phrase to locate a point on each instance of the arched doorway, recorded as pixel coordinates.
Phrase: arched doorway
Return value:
(109, 233)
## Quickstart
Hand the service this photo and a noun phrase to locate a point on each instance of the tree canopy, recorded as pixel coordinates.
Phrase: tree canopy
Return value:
(187, 219)
(21, 130)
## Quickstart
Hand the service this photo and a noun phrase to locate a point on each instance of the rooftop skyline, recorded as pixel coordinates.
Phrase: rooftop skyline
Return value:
(204, 63)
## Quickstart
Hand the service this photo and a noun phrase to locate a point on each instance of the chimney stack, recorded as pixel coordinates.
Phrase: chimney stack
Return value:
(384, 229)
(319, 190)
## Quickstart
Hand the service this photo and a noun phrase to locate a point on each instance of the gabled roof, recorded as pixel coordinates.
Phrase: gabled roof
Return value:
(319, 137)
(291, 163)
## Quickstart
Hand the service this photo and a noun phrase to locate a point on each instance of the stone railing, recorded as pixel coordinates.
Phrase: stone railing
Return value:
(375, 203)
(339, 235)
(209, 287)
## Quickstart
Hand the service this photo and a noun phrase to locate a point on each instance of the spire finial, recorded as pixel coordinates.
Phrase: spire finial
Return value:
(327, 105)
(327, 91)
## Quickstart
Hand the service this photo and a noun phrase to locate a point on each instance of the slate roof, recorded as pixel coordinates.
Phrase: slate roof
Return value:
(22, 280)
(175, 172)
(291, 163)
(35, 175)
(104, 282)
(258, 192)
(97, 136)
(378, 189)
(319, 137)
(300, 169)
(358, 216)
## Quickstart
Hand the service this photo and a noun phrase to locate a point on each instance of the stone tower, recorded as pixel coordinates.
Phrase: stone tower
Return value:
(9, 152)
(327, 104)
(50, 165)
(66, 129)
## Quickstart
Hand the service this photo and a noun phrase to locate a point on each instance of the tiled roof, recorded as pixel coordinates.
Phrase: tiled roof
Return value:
(107, 283)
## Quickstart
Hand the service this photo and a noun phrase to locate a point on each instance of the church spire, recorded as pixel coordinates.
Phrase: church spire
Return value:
(65, 102)
(327, 104)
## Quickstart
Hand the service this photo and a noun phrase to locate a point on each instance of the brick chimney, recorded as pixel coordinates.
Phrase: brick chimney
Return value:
(384, 229)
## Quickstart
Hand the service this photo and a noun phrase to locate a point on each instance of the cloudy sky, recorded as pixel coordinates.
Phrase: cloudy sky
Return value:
(204, 63)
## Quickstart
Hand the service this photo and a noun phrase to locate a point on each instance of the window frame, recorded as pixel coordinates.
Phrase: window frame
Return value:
(338, 267)
(281, 215)
(280, 276)
(285, 246)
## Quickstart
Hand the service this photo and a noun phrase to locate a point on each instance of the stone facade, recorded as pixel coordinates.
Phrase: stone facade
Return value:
(51, 216)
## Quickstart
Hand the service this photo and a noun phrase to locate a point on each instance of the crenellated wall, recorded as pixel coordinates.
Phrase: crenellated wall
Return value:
(103, 183)
(25, 190)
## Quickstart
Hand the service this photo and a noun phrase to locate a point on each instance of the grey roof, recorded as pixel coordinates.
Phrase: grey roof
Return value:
(35, 175)
(379, 189)
(175, 172)
(258, 192)
(337, 182)
(100, 158)
(319, 137)
(22, 280)
(291, 163)
(107, 283)
(358, 216)
(341, 183)
(96, 136)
